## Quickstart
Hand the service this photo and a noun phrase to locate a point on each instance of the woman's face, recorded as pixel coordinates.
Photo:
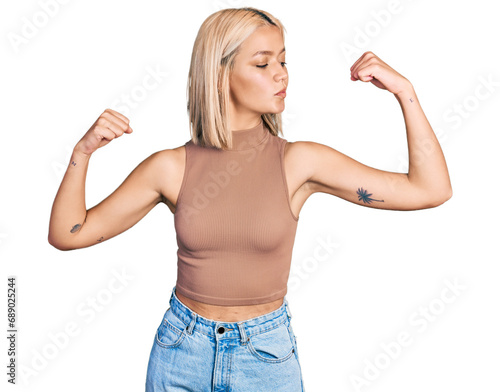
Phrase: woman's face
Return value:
(257, 77)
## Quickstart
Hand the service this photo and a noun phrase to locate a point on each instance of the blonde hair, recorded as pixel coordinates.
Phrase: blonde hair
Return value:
(212, 61)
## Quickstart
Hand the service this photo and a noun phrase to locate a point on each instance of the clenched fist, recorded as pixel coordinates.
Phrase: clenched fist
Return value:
(107, 127)
(370, 68)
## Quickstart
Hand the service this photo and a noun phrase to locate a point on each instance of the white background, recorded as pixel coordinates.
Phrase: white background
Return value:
(386, 266)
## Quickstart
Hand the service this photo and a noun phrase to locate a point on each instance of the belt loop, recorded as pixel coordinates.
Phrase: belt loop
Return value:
(172, 295)
(192, 323)
(287, 307)
(244, 338)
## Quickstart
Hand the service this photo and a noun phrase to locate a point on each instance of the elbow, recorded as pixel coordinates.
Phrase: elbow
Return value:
(58, 244)
(447, 194)
(441, 197)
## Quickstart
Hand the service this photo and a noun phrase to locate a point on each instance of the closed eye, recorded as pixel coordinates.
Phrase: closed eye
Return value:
(265, 65)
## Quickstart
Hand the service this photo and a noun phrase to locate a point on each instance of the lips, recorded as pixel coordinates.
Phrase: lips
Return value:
(281, 94)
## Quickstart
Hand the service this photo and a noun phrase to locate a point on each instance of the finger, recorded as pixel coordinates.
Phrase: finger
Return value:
(117, 121)
(355, 73)
(368, 58)
(357, 62)
(366, 73)
(112, 125)
(361, 58)
(119, 115)
(128, 129)
(116, 129)
(355, 66)
(105, 133)
(372, 64)
(355, 70)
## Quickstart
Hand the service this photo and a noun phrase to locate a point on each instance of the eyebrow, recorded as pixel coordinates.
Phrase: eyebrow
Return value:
(267, 52)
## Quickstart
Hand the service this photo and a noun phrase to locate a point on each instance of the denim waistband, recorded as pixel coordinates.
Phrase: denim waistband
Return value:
(229, 330)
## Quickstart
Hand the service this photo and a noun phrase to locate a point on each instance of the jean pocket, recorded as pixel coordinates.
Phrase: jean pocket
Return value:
(171, 332)
(272, 346)
(292, 335)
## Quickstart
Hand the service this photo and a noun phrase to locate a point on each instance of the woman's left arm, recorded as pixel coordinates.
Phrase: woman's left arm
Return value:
(427, 183)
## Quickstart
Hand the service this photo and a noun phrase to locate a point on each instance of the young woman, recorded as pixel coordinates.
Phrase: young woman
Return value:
(236, 189)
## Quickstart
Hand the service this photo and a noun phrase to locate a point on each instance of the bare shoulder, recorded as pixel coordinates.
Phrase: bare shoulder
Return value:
(169, 165)
(297, 168)
(298, 155)
(167, 161)
(312, 155)
(309, 159)
(304, 149)
(170, 157)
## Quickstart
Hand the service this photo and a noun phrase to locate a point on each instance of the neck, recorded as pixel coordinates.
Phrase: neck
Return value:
(244, 122)
(245, 138)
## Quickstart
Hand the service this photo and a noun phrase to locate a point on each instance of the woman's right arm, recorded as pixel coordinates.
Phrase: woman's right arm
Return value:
(71, 225)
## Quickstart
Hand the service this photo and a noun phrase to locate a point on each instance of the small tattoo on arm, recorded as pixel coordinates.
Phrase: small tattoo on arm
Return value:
(365, 196)
(75, 228)
(73, 163)
(411, 100)
(100, 239)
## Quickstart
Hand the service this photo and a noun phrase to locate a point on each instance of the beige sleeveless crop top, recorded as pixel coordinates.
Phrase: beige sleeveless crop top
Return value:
(234, 226)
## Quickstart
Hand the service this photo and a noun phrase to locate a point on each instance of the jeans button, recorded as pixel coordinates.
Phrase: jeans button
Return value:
(221, 330)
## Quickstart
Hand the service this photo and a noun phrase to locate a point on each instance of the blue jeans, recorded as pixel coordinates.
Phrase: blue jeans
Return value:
(193, 353)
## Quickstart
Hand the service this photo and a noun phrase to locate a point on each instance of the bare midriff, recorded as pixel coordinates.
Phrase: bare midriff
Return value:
(229, 313)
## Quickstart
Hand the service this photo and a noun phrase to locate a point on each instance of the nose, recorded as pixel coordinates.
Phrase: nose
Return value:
(282, 78)
(281, 75)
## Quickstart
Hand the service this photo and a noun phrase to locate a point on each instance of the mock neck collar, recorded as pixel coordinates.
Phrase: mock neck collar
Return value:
(245, 139)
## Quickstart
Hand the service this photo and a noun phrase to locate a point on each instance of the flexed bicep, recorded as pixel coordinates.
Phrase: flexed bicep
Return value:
(126, 206)
(337, 174)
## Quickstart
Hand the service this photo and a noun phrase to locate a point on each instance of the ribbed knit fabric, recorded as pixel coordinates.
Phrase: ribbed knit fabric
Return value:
(234, 225)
